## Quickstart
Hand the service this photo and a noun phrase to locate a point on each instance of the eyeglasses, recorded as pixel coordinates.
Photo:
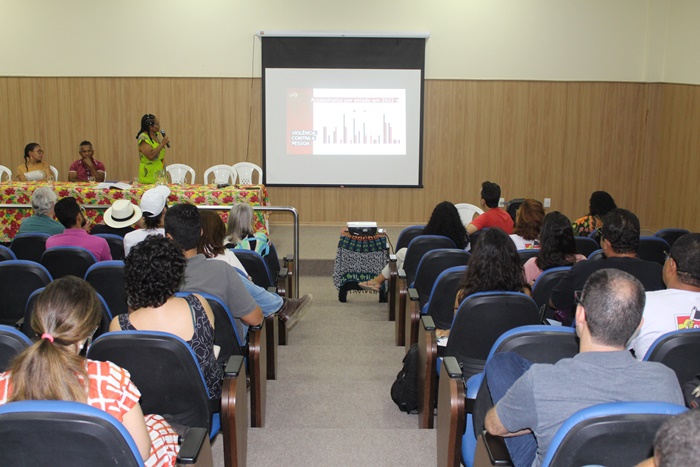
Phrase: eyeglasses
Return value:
(600, 234)
(667, 255)
(578, 296)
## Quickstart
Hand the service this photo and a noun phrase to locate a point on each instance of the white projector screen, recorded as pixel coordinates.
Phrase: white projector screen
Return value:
(351, 123)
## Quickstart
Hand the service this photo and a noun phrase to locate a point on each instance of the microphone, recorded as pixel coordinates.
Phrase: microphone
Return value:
(162, 132)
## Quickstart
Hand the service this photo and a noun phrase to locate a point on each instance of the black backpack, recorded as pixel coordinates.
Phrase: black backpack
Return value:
(404, 391)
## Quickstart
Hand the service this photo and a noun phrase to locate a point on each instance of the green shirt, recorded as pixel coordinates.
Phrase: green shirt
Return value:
(40, 223)
(148, 169)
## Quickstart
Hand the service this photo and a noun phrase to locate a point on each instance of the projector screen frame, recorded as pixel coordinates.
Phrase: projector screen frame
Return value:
(361, 51)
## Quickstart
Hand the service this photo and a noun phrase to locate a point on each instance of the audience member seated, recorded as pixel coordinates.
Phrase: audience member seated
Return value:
(494, 266)
(677, 442)
(493, 215)
(241, 232)
(73, 218)
(557, 247)
(154, 205)
(66, 315)
(153, 271)
(35, 168)
(532, 401)
(677, 307)
(443, 221)
(599, 205)
(87, 168)
(528, 223)
(619, 240)
(43, 202)
(118, 219)
(211, 245)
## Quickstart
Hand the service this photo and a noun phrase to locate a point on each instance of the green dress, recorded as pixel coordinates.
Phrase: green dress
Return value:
(148, 169)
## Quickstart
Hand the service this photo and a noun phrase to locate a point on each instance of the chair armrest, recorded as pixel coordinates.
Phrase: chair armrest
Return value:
(392, 258)
(428, 323)
(283, 272)
(452, 367)
(288, 258)
(491, 450)
(412, 294)
(234, 412)
(257, 367)
(192, 445)
(401, 273)
(451, 415)
(427, 372)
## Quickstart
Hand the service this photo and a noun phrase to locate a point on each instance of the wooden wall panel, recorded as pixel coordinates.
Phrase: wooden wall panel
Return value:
(561, 140)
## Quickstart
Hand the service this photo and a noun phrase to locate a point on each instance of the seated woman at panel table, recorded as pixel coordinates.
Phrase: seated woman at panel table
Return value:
(599, 205)
(443, 221)
(557, 247)
(241, 231)
(494, 266)
(153, 272)
(35, 168)
(66, 315)
(528, 223)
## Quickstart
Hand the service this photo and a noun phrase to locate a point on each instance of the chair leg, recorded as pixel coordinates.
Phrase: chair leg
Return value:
(400, 313)
(427, 358)
(272, 325)
(450, 419)
(234, 417)
(257, 363)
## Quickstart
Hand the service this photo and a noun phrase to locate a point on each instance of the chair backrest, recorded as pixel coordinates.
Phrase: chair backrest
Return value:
(679, 351)
(545, 283)
(431, 265)
(116, 244)
(595, 235)
(525, 255)
(513, 206)
(6, 253)
(611, 434)
(107, 278)
(62, 261)
(178, 173)
(165, 370)
(418, 247)
(408, 234)
(63, 433)
(12, 342)
(19, 278)
(273, 260)
(5, 171)
(596, 255)
(245, 170)
(54, 172)
(222, 174)
(585, 245)
(441, 301)
(653, 249)
(480, 321)
(256, 267)
(29, 246)
(671, 235)
(466, 212)
(225, 330)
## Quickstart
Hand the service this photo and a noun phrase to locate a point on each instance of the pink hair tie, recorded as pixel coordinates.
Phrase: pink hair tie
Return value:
(48, 336)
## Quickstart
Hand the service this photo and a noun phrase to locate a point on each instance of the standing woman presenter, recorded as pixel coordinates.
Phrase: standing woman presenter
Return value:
(151, 149)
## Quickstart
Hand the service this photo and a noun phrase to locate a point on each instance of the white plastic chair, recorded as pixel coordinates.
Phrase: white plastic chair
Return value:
(5, 170)
(466, 212)
(222, 174)
(245, 172)
(54, 171)
(178, 173)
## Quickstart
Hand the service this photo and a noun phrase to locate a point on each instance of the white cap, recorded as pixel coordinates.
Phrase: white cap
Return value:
(153, 201)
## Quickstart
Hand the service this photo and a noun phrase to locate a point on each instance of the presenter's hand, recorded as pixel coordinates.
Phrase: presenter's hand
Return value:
(165, 141)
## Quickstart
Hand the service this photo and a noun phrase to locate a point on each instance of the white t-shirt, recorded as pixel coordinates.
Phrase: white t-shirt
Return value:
(665, 311)
(522, 244)
(137, 236)
(231, 258)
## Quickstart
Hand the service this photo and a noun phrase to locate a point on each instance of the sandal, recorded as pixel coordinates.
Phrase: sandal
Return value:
(370, 285)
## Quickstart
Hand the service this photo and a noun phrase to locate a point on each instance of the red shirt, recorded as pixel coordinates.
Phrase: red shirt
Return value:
(82, 171)
(494, 217)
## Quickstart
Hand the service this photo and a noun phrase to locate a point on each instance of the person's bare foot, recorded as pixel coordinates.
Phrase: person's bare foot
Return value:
(370, 285)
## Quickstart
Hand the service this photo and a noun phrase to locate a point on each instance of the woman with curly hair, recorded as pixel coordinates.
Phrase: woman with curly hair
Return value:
(528, 223)
(557, 247)
(153, 272)
(66, 315)
(599, 205)
(443, 221)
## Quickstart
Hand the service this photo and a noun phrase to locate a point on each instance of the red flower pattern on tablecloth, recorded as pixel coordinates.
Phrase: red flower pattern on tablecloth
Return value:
(20, 193)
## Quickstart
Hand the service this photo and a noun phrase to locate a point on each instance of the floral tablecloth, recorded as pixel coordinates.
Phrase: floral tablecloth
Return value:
(20, 193)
